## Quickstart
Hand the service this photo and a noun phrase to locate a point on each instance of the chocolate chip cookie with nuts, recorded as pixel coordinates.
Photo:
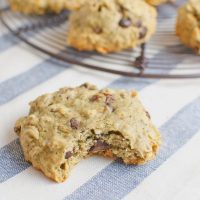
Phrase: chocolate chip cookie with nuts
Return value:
(111, 25)
(71, 124)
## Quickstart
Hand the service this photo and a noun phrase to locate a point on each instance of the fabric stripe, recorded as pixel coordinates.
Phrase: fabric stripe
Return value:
(7, 41)
(117, 180)
(3, 4)
(11, 155)
(15, 86)
(3, 30)
(11, 45)
(129, 83)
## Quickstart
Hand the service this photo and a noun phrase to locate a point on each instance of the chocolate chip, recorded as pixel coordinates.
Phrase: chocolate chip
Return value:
(125, 23)
(109, 99)
(99, 146)
(148, 115)
(17, 129)
(94, 98)
(62, 166)
(74, 123)
(68, 154)
(143, 32)
(138, 24)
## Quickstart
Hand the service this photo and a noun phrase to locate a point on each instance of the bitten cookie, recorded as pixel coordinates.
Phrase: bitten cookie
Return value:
(188, 24)
(71, 124)
(38, 7)
(111, 25)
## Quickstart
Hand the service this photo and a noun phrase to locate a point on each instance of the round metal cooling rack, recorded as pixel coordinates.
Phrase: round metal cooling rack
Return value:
(159, 58)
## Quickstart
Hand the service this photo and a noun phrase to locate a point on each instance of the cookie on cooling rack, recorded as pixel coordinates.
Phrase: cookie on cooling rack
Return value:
(111, 25)
(71, 124)
(38, 7)
(187, 26)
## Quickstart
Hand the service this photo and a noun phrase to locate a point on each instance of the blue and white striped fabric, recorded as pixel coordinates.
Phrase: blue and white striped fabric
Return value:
(175, 109)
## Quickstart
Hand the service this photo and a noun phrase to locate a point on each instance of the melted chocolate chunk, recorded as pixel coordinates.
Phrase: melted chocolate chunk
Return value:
(99, 146)
(74, 123)
(68, 154)
(125, 23)
(143, 32)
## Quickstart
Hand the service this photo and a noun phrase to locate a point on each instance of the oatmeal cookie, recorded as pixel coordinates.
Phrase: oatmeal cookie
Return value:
(71, 124)
(111, 25)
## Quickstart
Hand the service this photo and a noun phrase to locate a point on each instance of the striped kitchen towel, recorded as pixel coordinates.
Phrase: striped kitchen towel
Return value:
(174, 106)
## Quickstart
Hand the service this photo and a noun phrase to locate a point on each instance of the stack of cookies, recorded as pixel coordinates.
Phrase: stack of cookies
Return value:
(101, 25)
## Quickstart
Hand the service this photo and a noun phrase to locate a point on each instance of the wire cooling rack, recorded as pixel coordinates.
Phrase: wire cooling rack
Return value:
(162, 57)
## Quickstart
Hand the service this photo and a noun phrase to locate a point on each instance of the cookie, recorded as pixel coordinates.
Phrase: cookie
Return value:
(111, 25)
(71, 124)
(188, 24)
(38, 7)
